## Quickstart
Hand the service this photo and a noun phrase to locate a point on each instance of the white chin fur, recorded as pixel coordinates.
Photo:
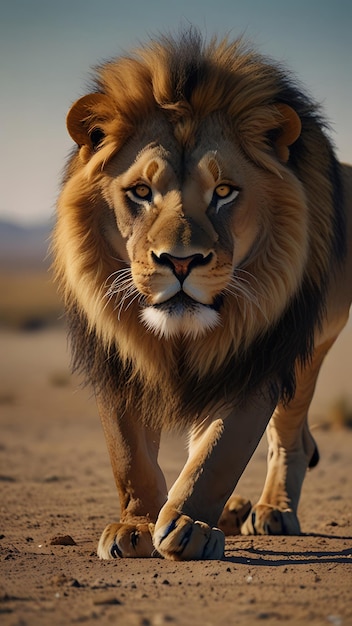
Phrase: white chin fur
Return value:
(191, 323)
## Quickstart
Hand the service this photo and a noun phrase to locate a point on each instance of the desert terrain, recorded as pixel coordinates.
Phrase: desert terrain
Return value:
(56, 482)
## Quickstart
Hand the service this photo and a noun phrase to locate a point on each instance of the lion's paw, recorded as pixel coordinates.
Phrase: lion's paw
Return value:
(126, 541)
(265, 519)
(183, 539)
(236, 511)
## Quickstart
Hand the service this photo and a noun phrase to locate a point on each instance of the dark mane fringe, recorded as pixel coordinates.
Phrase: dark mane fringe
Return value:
(114, 384)
(339, 241)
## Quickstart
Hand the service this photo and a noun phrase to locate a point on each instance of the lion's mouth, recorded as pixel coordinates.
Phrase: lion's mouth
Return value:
(178, 304)
(181, 315)
(182, 303)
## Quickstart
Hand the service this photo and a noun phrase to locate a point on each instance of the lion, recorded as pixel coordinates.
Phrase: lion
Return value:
(202, 247)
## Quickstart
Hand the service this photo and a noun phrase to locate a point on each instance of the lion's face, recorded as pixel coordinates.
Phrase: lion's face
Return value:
(188, 219)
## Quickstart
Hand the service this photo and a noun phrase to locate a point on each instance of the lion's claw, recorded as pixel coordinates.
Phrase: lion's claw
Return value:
(115, 551)
(183, 539)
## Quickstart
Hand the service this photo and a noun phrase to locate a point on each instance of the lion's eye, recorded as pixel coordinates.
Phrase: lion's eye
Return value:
(224, 194)
(140, 192)
(223, 191)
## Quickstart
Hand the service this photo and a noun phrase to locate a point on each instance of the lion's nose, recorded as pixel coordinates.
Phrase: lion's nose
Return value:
(182, 266)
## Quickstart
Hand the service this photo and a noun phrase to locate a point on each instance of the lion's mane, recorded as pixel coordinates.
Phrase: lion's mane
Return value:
(188, 80)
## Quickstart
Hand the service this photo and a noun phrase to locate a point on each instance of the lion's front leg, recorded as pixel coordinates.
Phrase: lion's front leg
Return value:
(133, 450)
(219, 451)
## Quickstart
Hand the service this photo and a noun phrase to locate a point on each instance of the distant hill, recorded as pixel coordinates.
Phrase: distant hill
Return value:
(24, 247)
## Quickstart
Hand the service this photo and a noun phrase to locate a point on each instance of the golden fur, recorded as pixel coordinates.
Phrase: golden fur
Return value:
(167, 133)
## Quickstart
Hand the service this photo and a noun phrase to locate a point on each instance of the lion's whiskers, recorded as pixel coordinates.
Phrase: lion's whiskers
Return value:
(242, 287)
(122, 288)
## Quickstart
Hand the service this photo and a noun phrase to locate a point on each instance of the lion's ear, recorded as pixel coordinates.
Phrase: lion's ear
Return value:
(85, 117)
(289, 130)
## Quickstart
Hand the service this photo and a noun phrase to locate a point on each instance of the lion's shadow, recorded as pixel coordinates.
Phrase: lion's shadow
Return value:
(270, 558)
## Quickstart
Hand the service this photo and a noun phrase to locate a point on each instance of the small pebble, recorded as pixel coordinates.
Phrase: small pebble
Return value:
(62, 540)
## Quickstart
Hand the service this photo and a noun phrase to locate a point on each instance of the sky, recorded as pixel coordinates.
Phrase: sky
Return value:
(48, 47)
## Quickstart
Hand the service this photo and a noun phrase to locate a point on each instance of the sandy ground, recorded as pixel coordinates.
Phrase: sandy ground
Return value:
(55, 480)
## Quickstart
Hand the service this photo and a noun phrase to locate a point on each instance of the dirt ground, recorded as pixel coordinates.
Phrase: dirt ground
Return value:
(55, 480)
